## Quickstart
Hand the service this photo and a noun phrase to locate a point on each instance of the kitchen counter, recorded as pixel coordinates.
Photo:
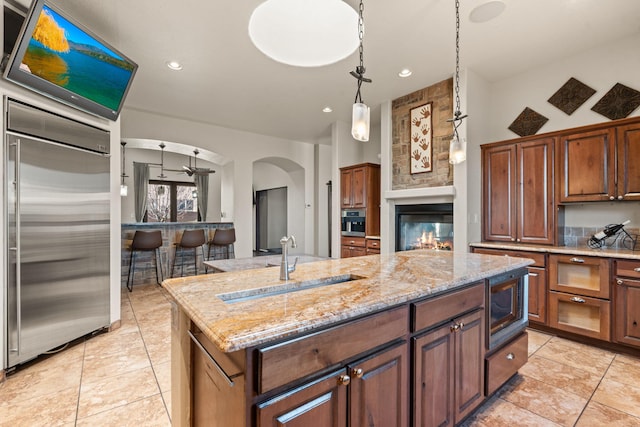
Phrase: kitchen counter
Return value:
(239, 264)
(567, 250)
(381, 281)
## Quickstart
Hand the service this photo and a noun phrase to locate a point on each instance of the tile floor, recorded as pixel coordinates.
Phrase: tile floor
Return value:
(122, 378)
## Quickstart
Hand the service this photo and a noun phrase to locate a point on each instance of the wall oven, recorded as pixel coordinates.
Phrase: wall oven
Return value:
(353, 222)
(507, 306)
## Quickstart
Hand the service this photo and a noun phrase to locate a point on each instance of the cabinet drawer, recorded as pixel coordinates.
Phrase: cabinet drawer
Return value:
(581, 275)
(436, 310)
(537, 257)
(373, 243)
(628, 268)
(353, 241)
(586, 316)
(504, 363)
(283, 363)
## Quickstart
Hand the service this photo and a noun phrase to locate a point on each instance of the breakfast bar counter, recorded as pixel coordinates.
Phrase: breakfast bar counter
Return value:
(248, 348)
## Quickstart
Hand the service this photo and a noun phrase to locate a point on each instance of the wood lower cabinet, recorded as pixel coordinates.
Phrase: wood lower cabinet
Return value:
(627, 303)
(504, 363)
(580, 275)
(352, 246)
(518, 192)
(373, 246)
(448, 359)
(372, 391)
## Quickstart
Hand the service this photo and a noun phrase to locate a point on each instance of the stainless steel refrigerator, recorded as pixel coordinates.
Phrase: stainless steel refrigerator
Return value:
(57, 226)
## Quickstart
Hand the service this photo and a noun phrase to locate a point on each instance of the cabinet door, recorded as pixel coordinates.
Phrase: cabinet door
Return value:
(359, 189)
(469, 364)
(628, 144)
(587, 166)
(586, 316)
(627, 312)
(433, 355)
(499, 193)
(587, 276)
(322, 403)
(537, 295)
(346, 189)
(378, 394)
(536, 208)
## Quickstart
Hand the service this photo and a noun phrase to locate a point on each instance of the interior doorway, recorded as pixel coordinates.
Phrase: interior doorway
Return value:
(271, 219)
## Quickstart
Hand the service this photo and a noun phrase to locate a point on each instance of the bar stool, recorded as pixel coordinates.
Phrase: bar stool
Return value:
(222, 237)
(145, 241)
(191, 239)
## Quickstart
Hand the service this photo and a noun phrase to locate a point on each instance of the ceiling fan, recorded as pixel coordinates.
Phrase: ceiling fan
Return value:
(193, 170)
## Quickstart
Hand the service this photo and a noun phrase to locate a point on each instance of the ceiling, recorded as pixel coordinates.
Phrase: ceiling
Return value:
(226, 81)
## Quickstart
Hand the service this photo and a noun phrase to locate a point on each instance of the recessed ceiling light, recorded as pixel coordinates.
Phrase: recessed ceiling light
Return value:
(487, 12)
(174, 65)
(305, 33)
(327, 110)
(405, 72)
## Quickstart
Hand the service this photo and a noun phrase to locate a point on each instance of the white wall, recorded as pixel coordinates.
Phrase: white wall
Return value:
(18, 93)
(171, 161)
(243, 148)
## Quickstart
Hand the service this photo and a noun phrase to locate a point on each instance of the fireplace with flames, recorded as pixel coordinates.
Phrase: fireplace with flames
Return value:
(427, 226)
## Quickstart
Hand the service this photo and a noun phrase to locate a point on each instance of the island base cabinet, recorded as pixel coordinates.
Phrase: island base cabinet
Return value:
(449, 371)
(369, 392)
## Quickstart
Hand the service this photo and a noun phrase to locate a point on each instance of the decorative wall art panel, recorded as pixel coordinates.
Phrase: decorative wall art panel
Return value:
(421, 152)
(618, 103)
(528, 122)
(571, 95)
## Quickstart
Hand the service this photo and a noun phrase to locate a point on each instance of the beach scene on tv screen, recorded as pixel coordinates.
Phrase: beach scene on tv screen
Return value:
(66, 56)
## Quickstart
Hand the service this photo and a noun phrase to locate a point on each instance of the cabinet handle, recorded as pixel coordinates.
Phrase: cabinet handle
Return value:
(578, 260)
(344, 380)
(357, 372)
(611, 198)
(533, 274)
(513, 240)
(511, 356)
(578, 300)
(455, 327)
(637, 270)
(620, 197)
(619, 282)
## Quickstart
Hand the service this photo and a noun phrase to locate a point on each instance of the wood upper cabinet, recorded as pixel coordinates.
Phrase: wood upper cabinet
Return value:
(518, 192)
(360, 186)
(587, 165)
(628, 144)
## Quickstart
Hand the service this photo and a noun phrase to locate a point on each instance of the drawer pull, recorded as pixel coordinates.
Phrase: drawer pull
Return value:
(357, 372)
(637, 270)
(457, 327)
(578, 260)
(619, 282)
(511, 356)
(344, 380)
(578, 300)
(533, 274)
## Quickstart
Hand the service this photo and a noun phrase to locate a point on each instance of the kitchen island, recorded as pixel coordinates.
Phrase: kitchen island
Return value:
(249, 349)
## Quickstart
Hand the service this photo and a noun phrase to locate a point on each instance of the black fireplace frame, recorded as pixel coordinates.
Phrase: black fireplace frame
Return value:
(419, 209)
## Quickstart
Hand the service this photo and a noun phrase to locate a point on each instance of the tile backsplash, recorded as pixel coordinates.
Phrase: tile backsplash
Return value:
(579, 236)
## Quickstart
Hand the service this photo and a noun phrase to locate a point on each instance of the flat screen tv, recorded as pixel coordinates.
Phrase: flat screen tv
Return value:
(59, 58)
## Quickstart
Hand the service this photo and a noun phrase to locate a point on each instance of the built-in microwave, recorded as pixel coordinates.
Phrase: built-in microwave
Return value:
(353, 222)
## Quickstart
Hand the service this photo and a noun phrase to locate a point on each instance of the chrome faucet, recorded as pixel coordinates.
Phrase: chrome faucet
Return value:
(285, 268)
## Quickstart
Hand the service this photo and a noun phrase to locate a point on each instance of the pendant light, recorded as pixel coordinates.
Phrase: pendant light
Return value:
(458, 145)
(361, 112)
(162, 176)
(124, 190)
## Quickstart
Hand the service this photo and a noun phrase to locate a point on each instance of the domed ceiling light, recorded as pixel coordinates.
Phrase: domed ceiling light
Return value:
(458, 145)
(304, 33)
(361, 112)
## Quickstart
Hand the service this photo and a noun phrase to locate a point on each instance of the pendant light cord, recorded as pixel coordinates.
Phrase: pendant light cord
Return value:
(360, 70)
(457, 115)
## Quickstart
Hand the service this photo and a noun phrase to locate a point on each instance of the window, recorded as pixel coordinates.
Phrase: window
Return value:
(171, 201)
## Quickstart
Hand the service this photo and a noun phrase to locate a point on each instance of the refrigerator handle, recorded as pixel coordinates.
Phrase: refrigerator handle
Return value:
(14, 343)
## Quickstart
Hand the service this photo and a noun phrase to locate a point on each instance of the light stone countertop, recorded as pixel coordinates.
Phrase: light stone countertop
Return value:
(237, 264)
(566, 250)
(387, 280)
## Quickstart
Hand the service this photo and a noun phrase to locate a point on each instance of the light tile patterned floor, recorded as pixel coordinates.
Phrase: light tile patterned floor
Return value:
(123, 379)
